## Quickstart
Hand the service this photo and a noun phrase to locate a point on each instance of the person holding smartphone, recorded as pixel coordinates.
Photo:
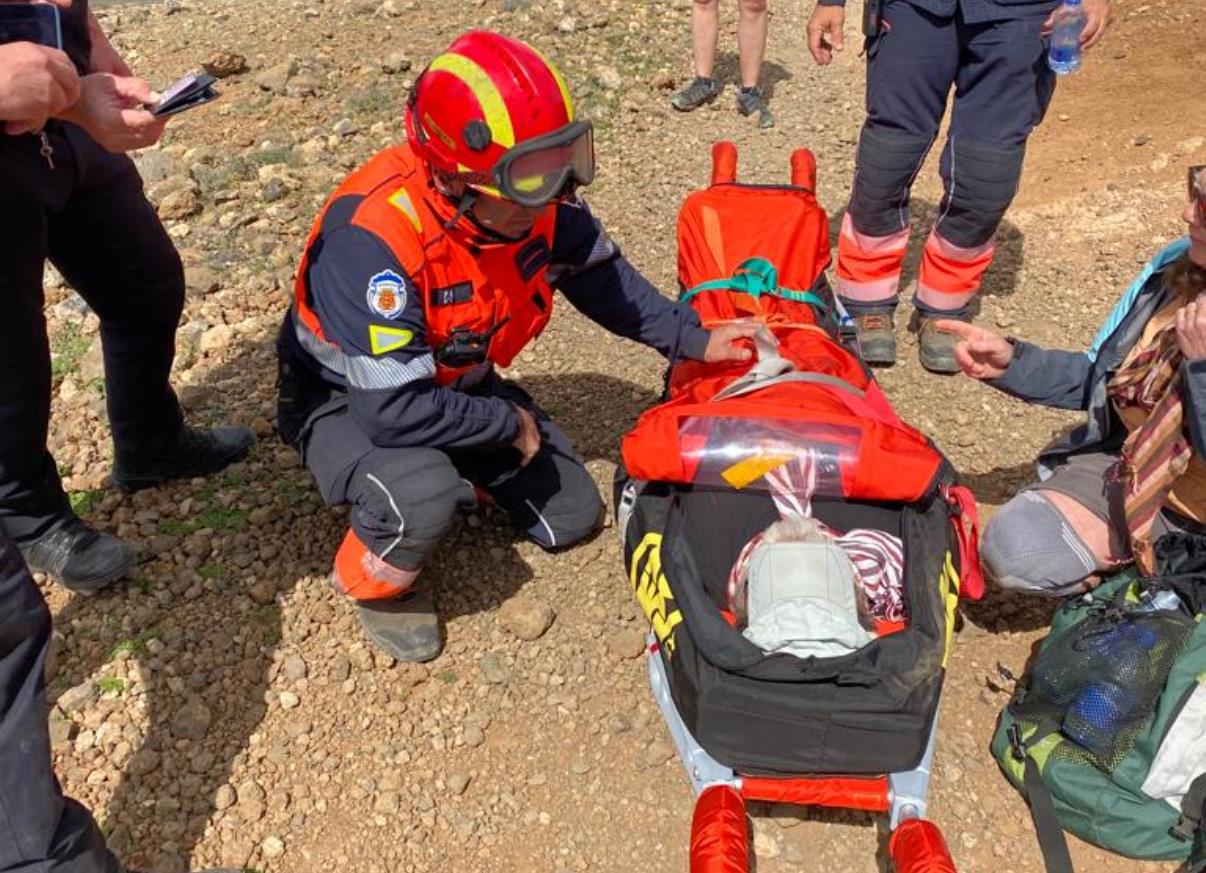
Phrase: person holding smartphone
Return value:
(67, 116)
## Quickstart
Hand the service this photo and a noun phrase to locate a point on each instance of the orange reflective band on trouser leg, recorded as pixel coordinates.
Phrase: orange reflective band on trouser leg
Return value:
(950, 275)
(868, 267)
(362, 575)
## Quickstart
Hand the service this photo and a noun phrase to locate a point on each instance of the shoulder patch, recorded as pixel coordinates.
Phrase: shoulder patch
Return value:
(386, 294)
(384, 339)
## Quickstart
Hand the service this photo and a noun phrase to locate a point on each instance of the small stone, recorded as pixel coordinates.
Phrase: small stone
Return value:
(658, 753)
(663, 82)
(457, 783)
(78, 697)
(191, 721)
(567, 24)
(275, 78)
(272, 847)
(766, 845)
(180, 204)
(294, 668)
(341, 668)
(626, 644)
(1141, 139)
(62, 733)
(345, 127)
(388, 803)
(262, 591)
(289, 700)
(526, 617)
(493, 670)
(395, 62)
(224, 797)
(474, 736)
(223, 64)
(609, 78)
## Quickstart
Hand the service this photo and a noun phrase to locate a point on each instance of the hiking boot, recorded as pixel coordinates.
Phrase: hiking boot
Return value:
(80, 558)
(876, 337)
(196, 451)
(406, 627)
(695, 94)
(752, 100)
(936, 348)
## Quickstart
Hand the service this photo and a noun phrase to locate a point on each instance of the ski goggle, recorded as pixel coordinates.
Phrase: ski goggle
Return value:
(1197, 191)
(537, 172)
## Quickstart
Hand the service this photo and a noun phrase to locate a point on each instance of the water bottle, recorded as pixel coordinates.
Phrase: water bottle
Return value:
(1064, 56)
(1164, 600)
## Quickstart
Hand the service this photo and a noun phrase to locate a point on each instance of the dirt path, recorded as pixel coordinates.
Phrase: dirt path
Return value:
(222, 707)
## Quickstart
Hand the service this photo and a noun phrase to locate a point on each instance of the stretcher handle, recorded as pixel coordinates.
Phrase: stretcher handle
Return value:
(869, 794)
(724, 162)
(719, 843)
(917, 846)
(804, 169)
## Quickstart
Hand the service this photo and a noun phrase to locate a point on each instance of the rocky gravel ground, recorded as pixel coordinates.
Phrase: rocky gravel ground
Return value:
(222, 707)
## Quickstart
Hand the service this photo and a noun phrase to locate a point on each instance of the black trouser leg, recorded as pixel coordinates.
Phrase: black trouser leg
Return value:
(109, 244)
(41, 831)
(31, 496)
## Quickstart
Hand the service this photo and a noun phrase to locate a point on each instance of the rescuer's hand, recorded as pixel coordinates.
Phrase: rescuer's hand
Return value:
(528, 439)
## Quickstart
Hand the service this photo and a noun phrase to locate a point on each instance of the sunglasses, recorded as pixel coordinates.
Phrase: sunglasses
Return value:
(1197, 191)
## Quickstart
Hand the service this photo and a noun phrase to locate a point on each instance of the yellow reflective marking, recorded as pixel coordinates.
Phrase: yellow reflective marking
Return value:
(387, 339)
(653, 590)
(497, 117)
(948, 584)
(751, 469)
(565, 94)
(401, 201)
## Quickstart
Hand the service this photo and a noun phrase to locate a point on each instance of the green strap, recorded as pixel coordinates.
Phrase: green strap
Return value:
(755, 277)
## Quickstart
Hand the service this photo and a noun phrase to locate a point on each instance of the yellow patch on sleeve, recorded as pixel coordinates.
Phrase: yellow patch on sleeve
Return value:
(388, 339)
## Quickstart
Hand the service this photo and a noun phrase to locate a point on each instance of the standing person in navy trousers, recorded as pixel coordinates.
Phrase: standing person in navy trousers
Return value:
(993, 54)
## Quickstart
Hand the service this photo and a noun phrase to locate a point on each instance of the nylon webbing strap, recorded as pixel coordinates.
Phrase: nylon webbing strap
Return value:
(742, 386)
(1193, 807)
(1052, 842)
(755, 277)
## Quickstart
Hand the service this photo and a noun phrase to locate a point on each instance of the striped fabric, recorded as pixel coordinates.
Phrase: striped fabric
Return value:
(1157, 452)
(878, 557)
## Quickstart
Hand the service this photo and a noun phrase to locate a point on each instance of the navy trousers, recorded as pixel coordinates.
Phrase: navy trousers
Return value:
(41, 831)
(89, 216)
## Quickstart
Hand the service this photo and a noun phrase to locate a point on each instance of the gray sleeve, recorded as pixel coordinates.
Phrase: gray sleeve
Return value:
(1048, 377)
(1193, 384)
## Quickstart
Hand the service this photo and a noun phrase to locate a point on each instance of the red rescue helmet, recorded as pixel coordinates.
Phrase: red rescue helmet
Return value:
(493, 113)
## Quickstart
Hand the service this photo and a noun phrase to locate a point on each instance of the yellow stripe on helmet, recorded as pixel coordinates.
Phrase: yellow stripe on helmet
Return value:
(565, 94)
(488, 97)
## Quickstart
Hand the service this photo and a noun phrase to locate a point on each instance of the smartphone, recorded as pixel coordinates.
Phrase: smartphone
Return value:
(186, 93)
(38, 23)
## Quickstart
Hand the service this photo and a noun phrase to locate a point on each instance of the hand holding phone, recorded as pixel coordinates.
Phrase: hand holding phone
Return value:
(36, 83)
(186, 93)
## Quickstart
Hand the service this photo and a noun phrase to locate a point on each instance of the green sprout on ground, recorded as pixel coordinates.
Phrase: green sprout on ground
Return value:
(136, 646)
(212, 571)
(83, 502)
(112, 685)
(68, 348)
(269, 619)
(448, 677)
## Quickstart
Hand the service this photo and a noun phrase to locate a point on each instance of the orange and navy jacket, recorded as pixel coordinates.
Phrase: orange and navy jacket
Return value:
(383, 288)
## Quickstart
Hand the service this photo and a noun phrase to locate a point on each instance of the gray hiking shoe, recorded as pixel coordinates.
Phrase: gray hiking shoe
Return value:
(406, 627)
(936, 348)
(751, 101)
(80, 558)
(695, 94)
(876, 337)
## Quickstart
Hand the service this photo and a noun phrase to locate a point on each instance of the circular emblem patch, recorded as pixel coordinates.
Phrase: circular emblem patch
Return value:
(387, 294)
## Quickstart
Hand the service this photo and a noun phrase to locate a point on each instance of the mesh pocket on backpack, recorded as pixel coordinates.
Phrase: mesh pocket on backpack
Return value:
(1100, 683)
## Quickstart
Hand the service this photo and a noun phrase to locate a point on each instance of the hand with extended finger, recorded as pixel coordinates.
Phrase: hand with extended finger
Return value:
(113, 111)
(1191, 330)
(825, 33)
(981, 354)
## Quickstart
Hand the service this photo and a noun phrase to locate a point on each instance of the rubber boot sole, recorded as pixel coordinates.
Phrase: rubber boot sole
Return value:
(878, 352)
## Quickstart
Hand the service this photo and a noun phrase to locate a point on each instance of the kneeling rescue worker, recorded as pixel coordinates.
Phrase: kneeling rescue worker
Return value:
(427, 267)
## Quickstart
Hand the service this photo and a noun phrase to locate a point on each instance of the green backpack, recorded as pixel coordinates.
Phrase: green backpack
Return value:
(1106, 733)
